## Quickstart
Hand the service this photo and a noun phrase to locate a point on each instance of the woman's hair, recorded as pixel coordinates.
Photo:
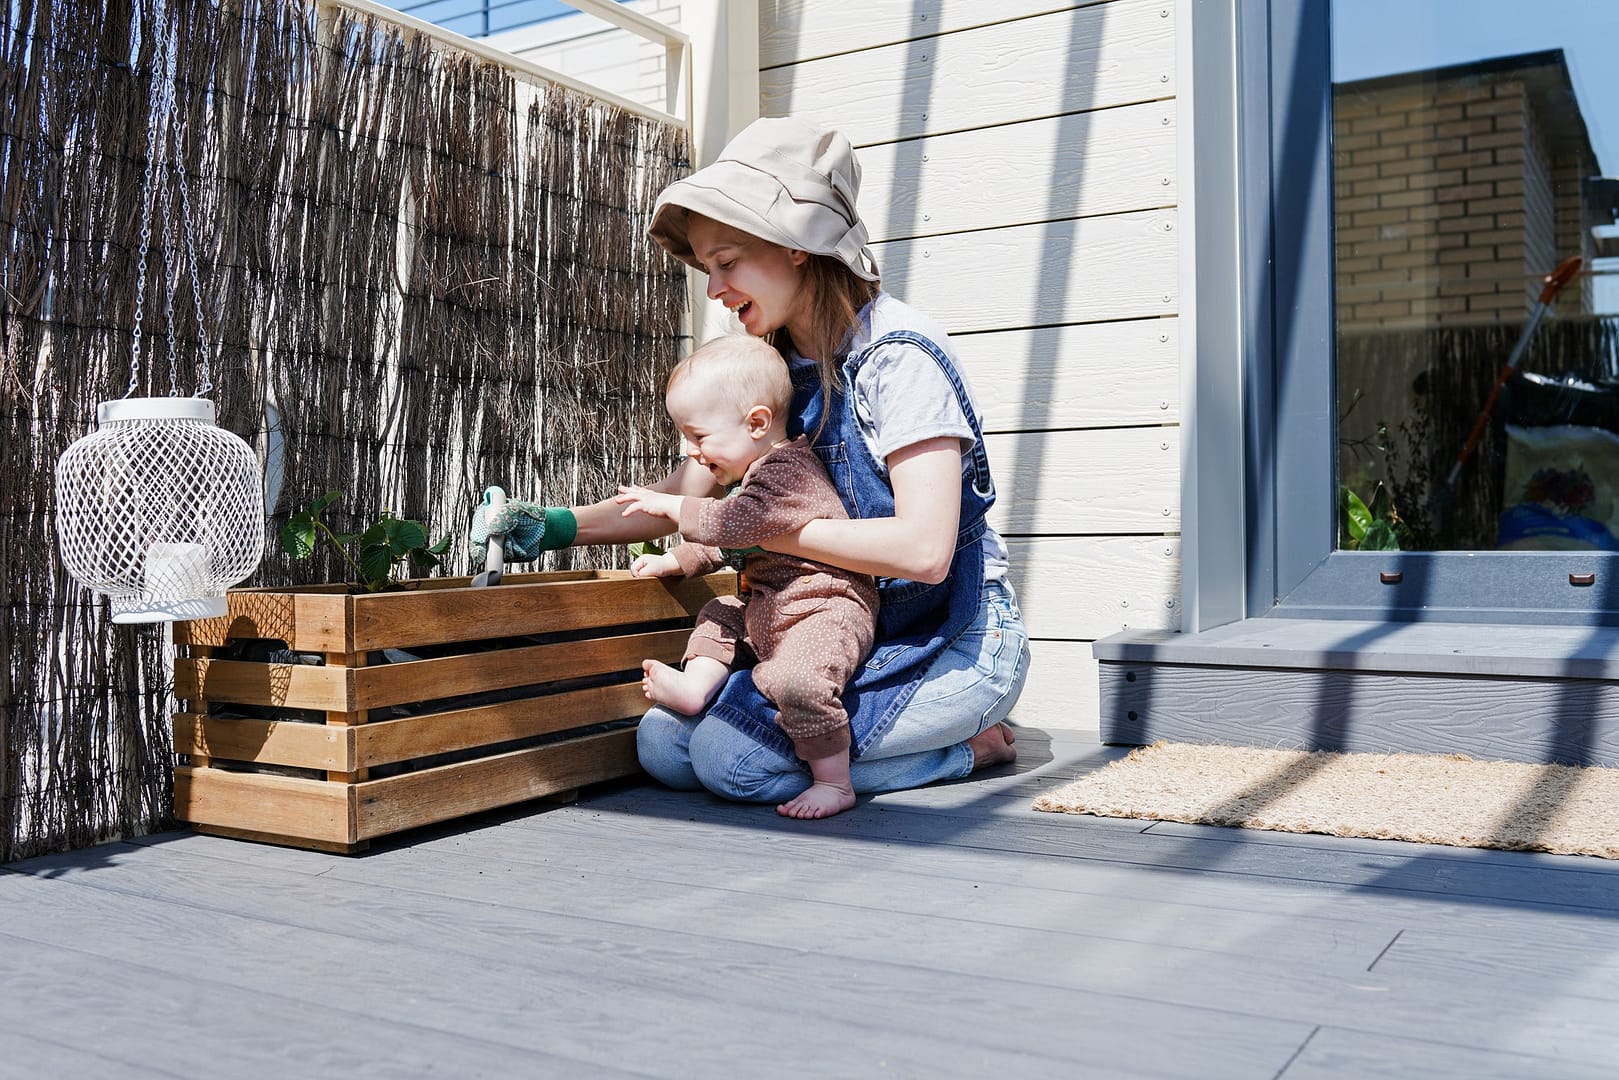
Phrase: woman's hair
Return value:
(836, 297)
(745, 369)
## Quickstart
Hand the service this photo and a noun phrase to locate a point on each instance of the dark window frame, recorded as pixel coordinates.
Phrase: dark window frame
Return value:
(1291, 565)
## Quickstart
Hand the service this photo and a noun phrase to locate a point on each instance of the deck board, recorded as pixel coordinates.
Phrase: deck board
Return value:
(948, 931)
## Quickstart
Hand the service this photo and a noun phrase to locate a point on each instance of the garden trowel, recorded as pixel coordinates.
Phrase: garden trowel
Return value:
(494, 501)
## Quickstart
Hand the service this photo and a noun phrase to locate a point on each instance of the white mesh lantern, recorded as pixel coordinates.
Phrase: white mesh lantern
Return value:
(159, 509)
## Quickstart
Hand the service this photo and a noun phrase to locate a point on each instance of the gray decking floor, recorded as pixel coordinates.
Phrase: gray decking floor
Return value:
(945, 932)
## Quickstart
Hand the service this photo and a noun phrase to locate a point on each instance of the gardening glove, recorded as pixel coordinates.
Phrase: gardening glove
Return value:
(528, 528)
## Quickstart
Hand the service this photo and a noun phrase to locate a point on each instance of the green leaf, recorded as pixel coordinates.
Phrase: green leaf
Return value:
(1380, 536)
(404, 536)
(376, 563)
(1382, 507)
(441, 547)
(645, 547)
(1357, 517)
(374, 535)
(324, 501)
(298, 537)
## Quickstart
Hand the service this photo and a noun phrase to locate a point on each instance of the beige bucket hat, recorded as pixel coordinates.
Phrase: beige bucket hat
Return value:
(782, 179)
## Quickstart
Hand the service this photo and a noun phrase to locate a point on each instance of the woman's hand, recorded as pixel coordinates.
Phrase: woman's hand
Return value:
(640, 500)
(917, 543)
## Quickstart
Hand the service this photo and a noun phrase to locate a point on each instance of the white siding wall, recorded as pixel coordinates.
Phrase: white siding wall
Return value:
(1020, 184)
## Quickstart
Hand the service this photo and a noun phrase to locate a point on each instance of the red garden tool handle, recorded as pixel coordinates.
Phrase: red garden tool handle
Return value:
(1559, 277)
(1553, 284)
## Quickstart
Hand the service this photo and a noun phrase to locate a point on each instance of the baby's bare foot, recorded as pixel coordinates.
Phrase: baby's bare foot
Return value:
(683, 691)
(993, 746)
(819, 800)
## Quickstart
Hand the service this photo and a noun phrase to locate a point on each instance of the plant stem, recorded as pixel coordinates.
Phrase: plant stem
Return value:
(331, 538)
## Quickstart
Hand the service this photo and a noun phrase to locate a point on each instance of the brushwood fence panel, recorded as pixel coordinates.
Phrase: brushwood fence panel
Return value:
(419, 275)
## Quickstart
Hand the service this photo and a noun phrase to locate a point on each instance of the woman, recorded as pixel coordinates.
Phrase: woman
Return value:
(773, 224)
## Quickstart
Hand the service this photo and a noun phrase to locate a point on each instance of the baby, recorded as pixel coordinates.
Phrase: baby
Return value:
(808, 625)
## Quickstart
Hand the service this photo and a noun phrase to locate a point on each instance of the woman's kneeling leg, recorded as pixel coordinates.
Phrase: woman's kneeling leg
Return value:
(734, 766)
(663, 744)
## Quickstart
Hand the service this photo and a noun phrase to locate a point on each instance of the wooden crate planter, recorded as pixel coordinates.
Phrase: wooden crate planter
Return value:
(312, 784)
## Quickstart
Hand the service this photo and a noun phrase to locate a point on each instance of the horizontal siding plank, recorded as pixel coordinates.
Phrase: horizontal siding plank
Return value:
(1074, 376)
(1060, 693)
(1092, 586)
(1070, 61)
(795, 30)
(1106, 162)
(1096, 482)
(1081, 270)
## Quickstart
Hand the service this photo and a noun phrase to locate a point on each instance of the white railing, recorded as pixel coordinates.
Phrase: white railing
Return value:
(676, 46)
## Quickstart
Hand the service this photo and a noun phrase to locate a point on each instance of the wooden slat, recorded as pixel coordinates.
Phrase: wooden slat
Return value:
(450, 791)
(1085, 375)
(1108, 162)
(405, 619)
(295, 686)
(439, 733)
(1090, 586)
(313, 619)
(795, 30)
(1095, 57)
(267, 742)
(1125, 480)
(304, 686)
(499, 669)
(264, 803)
(1083, 270)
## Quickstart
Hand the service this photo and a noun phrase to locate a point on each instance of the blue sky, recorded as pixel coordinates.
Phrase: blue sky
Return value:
(1381, 37)
(505, 14)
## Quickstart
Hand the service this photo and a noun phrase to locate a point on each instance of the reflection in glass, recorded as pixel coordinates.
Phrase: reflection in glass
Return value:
(1469, 201)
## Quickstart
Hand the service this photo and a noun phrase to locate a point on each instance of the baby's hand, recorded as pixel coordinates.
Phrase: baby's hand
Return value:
(646, 501)
(664, 565)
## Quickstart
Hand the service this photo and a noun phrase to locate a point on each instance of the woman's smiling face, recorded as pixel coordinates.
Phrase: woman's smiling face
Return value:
(762, 283)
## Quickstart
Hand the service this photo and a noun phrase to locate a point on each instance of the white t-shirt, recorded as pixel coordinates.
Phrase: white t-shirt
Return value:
(901, 397)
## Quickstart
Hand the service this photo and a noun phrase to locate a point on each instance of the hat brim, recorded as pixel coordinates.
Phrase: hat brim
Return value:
(704, 192)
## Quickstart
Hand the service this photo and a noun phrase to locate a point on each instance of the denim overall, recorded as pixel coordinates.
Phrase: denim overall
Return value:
(916, 621)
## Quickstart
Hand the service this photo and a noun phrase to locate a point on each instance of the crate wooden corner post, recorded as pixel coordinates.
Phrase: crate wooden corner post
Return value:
(525, 690)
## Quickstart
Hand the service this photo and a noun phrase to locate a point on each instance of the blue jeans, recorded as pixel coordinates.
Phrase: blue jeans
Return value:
(971, 687)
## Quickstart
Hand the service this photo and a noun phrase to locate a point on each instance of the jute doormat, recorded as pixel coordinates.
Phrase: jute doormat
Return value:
(1425, 798)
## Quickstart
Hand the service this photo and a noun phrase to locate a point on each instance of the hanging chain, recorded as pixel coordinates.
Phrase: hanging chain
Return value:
(153, 153)
(168, 292)
(207, 381)
(163, 108)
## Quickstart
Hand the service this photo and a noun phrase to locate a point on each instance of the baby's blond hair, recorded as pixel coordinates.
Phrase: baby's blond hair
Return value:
(741, 367)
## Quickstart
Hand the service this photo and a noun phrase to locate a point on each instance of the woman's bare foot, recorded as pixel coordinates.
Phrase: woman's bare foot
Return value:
(687, 692)
(819, 800)
(993, 746)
